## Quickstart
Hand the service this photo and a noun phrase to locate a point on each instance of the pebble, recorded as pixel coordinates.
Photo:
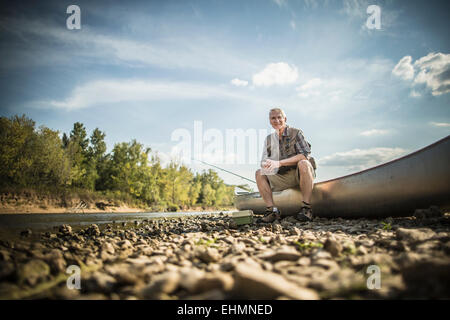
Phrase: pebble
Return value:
(203, 258)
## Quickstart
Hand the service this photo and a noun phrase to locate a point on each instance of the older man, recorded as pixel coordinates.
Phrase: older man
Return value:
(285, 164)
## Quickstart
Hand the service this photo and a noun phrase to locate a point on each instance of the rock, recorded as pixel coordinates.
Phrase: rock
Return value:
(189, 278)
(6, 270)
(288, 254)
(414, 234)
(4, 255)
(255, 283)
(320, 254)
(56, 261)
(165, 283)
(99, 282)
(362, 250)
(333, 247)
(123, 273)
(208, 255)
(108, 247)
(125, 244)
(93, 230)
(26, 233)
(432, 212)
(32, 272)
(65, 229)
(429, 278)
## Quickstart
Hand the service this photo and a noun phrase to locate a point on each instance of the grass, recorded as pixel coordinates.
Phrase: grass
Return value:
(207, 243)
(308, 245)
(386, 225)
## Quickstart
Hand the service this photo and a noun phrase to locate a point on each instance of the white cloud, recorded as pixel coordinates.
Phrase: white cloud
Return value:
(404, 69)
(176, 51)
(310, 88)
(440, 124)
(433, 70)
(360, 159)
(374, 132)
(415, 94)
(119, 91)
(239, 83)
(276, 74)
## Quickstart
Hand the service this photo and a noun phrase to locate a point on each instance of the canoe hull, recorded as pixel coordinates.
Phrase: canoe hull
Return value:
(397, 188)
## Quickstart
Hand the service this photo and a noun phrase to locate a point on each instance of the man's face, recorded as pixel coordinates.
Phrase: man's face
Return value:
(277, 120)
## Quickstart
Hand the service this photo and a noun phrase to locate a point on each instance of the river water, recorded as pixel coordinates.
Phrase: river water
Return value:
(14, 223)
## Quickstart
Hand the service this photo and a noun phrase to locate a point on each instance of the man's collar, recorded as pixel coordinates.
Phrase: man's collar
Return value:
(285, 131)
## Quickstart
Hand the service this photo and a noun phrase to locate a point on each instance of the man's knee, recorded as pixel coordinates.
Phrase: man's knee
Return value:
(259, 175)
(304, 166)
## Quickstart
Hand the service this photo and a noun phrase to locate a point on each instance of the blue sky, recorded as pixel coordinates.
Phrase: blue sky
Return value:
(143, 69)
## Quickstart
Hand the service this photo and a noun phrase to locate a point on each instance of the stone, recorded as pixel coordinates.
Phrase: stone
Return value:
(6, 270)
(100, 282)
(281, 254)
(33, 272)
(255, 283)
(414, 234)
(333, 247)
(65, 229)
(165, 283)
(208, 255)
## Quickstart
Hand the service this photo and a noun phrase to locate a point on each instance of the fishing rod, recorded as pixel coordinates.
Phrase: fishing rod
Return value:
(225, 170)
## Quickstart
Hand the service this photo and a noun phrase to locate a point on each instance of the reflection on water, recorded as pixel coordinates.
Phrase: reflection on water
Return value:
(36, 221)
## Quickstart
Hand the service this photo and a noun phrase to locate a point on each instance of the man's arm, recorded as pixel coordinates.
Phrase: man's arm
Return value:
(301, 147)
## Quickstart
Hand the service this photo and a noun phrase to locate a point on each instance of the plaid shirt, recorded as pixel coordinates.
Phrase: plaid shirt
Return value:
(277, 148)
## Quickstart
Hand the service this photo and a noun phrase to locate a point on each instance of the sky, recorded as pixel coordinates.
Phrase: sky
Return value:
(189, 75)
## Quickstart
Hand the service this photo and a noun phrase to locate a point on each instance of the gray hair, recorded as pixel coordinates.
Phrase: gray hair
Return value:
(277, 110)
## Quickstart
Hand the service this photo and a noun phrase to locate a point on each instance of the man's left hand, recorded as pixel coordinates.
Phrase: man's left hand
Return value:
(272, 164)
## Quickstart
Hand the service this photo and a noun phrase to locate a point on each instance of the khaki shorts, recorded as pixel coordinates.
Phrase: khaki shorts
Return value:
(290, 179)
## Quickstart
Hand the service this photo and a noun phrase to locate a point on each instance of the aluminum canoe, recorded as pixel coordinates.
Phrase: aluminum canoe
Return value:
(418, 180)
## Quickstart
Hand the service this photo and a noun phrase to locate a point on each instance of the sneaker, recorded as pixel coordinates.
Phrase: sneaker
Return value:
(305, 214)
(271, 215)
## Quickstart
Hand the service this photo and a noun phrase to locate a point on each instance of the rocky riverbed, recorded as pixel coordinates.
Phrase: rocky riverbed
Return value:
(210, 257)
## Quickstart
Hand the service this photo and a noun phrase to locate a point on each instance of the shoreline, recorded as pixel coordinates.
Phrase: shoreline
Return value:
(35, 209)
(210, 257)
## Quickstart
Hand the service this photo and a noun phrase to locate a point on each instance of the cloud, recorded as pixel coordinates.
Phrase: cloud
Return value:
(120, 91)
(88, 44)
(374, 132)
(239, 83)
(311, 87)
(276, 74)
(404, 69)
(433, 70)
(360, 159)
(415, 94)
(357, 10)
(440, 124)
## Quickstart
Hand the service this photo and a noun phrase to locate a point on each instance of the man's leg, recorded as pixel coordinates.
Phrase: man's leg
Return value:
(264, 188)
(306, 179)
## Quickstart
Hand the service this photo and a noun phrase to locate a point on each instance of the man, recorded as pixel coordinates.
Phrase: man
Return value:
(285, 164)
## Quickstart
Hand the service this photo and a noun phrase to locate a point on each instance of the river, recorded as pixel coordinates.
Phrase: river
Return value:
(12, 224)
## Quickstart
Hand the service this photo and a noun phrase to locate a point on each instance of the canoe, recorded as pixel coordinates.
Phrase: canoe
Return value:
(416, 181)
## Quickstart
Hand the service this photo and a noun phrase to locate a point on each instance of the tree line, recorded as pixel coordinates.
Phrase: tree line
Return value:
(39, 158)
